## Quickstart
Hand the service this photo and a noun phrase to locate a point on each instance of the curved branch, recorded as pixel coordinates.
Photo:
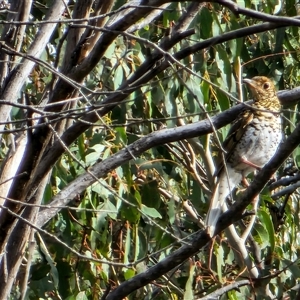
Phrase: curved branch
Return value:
(201, 237)
(219, 292)
(237, 10)
(147, 73)
(135, 149)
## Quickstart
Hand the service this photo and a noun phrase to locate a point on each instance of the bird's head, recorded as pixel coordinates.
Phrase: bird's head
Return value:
(263, 92)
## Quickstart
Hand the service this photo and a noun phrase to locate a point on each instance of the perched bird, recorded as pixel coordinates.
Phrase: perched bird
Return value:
(251, 142)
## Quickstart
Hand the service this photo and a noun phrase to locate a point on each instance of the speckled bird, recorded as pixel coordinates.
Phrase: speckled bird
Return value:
(251, 142)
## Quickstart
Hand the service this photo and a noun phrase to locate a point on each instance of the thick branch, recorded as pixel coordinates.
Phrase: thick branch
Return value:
(234, 214)
(137, 148)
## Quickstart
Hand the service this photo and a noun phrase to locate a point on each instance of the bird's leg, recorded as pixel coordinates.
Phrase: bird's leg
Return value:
(249, 163)
(246, 185)
(256, 167)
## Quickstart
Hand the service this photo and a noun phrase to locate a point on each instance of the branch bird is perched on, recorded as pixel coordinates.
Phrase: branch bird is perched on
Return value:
(251, 142)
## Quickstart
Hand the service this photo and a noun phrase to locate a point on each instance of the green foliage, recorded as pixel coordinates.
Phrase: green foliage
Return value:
(134, 217)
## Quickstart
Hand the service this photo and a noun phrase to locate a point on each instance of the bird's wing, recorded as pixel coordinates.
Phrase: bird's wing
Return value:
(235, 133)
(224, 184)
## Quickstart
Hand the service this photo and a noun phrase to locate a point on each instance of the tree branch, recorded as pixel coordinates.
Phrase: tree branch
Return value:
(201, 237)
(153, 139)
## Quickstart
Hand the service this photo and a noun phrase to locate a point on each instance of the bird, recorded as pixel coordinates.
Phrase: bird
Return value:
(251, 142)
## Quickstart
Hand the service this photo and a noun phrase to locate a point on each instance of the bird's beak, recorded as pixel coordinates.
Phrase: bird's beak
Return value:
(249, 82)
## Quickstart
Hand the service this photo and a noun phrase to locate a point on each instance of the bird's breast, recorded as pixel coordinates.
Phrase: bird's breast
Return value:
(258, 143)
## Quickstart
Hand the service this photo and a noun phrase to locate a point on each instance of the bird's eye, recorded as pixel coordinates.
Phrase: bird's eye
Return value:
(266, 85)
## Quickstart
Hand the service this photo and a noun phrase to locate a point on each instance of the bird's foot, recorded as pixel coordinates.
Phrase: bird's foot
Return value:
(245, 182)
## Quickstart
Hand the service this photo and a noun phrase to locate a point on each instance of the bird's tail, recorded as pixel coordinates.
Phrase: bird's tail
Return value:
(214, 212)
(227, 181)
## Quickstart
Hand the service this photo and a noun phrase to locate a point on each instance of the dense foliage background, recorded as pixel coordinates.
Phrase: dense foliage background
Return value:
(111, 116)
